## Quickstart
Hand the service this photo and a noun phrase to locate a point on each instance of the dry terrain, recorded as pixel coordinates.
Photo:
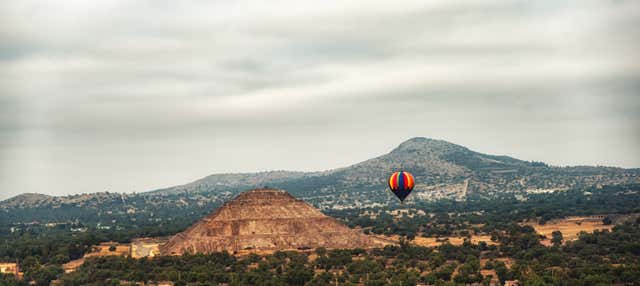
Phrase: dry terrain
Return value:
(454, 240)
(100, 250)
(570, 227)
(437, 241)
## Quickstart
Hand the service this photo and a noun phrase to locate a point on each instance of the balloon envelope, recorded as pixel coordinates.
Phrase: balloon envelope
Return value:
(401, 184)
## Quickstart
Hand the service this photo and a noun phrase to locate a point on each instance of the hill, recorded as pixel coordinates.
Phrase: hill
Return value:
(224, 182)
(26, 200)
(443, 170)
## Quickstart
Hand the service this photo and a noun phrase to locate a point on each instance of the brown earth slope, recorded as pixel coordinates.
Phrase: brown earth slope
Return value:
(263, 220)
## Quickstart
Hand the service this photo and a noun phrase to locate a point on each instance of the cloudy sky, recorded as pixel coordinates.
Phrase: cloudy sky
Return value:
(135, 95)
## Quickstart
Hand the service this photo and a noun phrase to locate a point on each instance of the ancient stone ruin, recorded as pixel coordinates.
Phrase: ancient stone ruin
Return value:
(265, 220)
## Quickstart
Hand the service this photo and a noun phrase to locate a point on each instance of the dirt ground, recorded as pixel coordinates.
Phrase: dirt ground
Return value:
(432, 241)
(99, 250)
(570, 228)
(103, 250)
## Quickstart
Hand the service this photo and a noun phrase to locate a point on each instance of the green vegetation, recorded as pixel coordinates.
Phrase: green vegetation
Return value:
(599, 258)
(111, 211)
(458, 218)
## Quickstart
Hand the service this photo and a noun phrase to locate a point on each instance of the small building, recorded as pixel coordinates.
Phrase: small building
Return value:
(10, 268)
(160, 283)
(131, 283)
(147, 247)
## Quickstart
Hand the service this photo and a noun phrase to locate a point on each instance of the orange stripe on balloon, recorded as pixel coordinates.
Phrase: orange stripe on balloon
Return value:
(393, 181)
(396, 180)
(406, 180)
(410, 181)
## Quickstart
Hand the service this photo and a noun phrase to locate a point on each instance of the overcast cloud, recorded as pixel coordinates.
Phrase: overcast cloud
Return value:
(135, 95)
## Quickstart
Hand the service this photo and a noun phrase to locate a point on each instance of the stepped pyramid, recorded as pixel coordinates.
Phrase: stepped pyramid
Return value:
(265, 220)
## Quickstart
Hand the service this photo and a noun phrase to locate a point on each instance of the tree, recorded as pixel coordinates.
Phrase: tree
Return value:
(537, 281)
(502, 271)
(321, 251)
(556, 238)
(298, 274)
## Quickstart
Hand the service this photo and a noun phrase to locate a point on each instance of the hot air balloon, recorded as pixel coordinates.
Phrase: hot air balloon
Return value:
(401, 184)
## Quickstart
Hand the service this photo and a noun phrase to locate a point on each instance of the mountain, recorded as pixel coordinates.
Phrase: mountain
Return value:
(264, 220)
(443, 170)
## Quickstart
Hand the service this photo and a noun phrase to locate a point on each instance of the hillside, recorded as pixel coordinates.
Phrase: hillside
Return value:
(26, 200)
(443, 170)
(232, 181)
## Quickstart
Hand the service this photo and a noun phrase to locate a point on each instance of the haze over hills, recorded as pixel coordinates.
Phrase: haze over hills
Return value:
(443, 170)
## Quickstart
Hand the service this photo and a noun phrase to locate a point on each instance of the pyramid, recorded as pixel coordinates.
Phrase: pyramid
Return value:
(265, 220)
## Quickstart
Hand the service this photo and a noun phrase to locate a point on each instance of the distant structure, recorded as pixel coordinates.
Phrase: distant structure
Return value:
(146, 247)
(590, 218)
(265, 220)
(10, 268)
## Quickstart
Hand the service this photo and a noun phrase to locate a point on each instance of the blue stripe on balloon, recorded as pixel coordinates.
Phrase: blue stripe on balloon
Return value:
(400, 181)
